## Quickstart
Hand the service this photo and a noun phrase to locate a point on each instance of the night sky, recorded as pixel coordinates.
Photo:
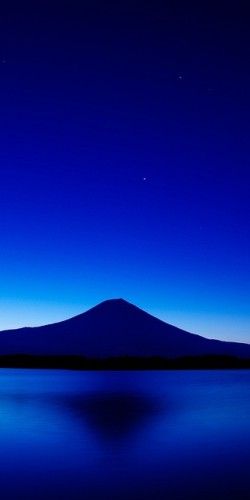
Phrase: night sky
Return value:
(125, 162)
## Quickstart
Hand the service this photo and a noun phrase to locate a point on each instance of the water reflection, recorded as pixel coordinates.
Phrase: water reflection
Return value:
(113, 415)
(124, 435)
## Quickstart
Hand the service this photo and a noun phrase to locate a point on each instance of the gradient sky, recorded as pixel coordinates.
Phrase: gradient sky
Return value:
(125, 163)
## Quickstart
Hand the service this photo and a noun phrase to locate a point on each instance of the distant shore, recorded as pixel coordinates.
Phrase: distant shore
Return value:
(124, 363)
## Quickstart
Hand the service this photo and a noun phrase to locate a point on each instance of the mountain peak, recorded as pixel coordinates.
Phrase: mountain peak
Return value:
(115, 303)
(119, 300)
(115, 327)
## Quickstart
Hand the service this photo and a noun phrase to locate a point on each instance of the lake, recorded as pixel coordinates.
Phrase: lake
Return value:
(124, 435)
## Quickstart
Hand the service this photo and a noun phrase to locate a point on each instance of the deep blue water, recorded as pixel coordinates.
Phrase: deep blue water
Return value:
(124, 435)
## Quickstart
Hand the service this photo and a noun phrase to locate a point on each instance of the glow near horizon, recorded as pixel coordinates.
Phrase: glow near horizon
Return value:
(221, 326)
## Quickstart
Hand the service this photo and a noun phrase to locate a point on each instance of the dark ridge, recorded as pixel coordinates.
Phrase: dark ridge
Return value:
(124, 363)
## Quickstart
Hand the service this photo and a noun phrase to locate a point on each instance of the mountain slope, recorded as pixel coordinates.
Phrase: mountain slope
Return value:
(114, 328)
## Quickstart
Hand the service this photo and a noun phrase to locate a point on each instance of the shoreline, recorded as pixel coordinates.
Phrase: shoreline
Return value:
(124, 363)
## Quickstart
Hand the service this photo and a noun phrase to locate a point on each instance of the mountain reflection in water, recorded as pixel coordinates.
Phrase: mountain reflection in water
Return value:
(113, 415)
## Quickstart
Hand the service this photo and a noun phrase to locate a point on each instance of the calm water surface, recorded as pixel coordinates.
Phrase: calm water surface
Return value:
(124, 435)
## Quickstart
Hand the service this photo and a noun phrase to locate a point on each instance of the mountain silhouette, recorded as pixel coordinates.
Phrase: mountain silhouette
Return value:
(114, 328)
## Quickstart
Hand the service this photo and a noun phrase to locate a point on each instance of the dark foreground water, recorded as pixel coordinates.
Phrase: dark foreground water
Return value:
(124, 435)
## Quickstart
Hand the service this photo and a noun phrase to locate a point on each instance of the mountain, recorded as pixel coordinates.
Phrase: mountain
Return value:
(114, 328)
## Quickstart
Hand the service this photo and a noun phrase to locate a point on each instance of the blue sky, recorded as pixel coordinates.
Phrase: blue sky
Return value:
(124, 163)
